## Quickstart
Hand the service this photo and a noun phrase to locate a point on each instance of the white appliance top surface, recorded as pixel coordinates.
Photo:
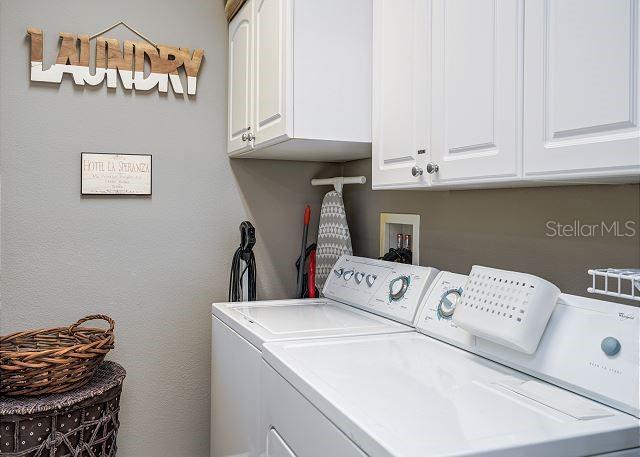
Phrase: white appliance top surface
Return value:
(263, 321)
(300, 318)
(409, 394)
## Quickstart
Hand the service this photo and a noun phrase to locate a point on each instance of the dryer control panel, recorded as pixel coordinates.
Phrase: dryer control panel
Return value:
(389, 289)
(435, 317)
(589, 346)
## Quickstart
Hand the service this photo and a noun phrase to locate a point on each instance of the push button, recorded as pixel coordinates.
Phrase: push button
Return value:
(371, 279)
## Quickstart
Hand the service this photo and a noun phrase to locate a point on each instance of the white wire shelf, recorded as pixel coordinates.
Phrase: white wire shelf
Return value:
(621, 283)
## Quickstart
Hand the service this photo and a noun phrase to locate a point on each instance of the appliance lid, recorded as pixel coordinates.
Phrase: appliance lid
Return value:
(409, 394)
(259, 322)
(300, 318)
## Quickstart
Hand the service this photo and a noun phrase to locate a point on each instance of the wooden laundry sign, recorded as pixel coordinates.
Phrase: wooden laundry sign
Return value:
(113, 60)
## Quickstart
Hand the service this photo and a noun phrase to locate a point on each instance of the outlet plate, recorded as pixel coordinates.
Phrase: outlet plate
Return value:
(408, 224)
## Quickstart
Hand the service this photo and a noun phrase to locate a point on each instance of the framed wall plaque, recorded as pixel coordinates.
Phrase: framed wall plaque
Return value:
(115, 174)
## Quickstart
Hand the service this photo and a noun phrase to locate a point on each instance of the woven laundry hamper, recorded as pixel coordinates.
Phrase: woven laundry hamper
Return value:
(79, 423)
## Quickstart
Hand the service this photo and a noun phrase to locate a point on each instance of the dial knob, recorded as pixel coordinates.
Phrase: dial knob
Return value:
(398, 287)
(610, 346)
(447, 304)
(347, 275)
(338, 272)
(371, 279)
(359, 277)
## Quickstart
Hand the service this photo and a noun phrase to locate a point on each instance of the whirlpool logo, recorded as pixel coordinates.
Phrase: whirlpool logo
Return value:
(625, 316)
(578, 229)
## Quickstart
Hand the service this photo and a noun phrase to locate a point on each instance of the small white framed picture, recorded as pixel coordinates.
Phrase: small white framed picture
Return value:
(115, 174)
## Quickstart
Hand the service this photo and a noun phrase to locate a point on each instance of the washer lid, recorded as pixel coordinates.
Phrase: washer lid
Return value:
(300, 318)
(264, 321)
(409, 394)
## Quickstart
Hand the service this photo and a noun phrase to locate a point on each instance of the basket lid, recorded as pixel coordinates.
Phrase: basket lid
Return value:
(108, 375)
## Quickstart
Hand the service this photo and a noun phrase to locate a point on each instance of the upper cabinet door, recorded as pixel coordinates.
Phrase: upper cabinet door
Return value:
(582, 63)
(272, 64)
(477, 87)
(240, 79)
(400, 110)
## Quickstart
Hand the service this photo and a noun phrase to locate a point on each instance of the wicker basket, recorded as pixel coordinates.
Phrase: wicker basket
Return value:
(80, 423)
(47, 361)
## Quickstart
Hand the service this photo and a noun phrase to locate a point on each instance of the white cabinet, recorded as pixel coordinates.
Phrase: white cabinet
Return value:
(240, 79)
(476, 101)
(271, 62)
(505, 92)
(400, 91)
(582, 63)
(447, 92)
(309, 70)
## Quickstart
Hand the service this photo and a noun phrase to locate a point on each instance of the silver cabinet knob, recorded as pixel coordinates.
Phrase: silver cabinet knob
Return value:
(416, 171)
(248, 136)
(432, 168)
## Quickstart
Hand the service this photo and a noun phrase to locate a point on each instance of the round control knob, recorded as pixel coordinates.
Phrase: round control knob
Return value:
(610, 346)
(371, 279)
(448, 301)
(347, 275)
(359, 277)
(398, 287)
(338, 272)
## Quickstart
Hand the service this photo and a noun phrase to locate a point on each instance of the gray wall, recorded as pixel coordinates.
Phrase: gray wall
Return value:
(504, 228)
(154, 264)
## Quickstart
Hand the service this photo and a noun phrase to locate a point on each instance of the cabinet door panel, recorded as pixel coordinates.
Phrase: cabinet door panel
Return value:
(272, 62)
(240, 78)
(581, 88)
(476, 97)
(400, 90)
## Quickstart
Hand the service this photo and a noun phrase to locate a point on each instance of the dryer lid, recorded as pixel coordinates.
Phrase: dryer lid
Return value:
(408, 394)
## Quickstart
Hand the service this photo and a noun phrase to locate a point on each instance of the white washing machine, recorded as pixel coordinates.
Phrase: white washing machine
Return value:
(362, 297)
(445, 392)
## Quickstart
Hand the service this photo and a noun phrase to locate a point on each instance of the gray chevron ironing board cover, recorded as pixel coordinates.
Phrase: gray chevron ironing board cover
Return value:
(334, 239)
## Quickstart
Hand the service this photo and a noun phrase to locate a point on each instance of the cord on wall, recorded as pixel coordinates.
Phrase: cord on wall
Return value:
(243, 256)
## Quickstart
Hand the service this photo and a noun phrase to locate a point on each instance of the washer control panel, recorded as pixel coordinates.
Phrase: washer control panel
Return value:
(389, 289)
